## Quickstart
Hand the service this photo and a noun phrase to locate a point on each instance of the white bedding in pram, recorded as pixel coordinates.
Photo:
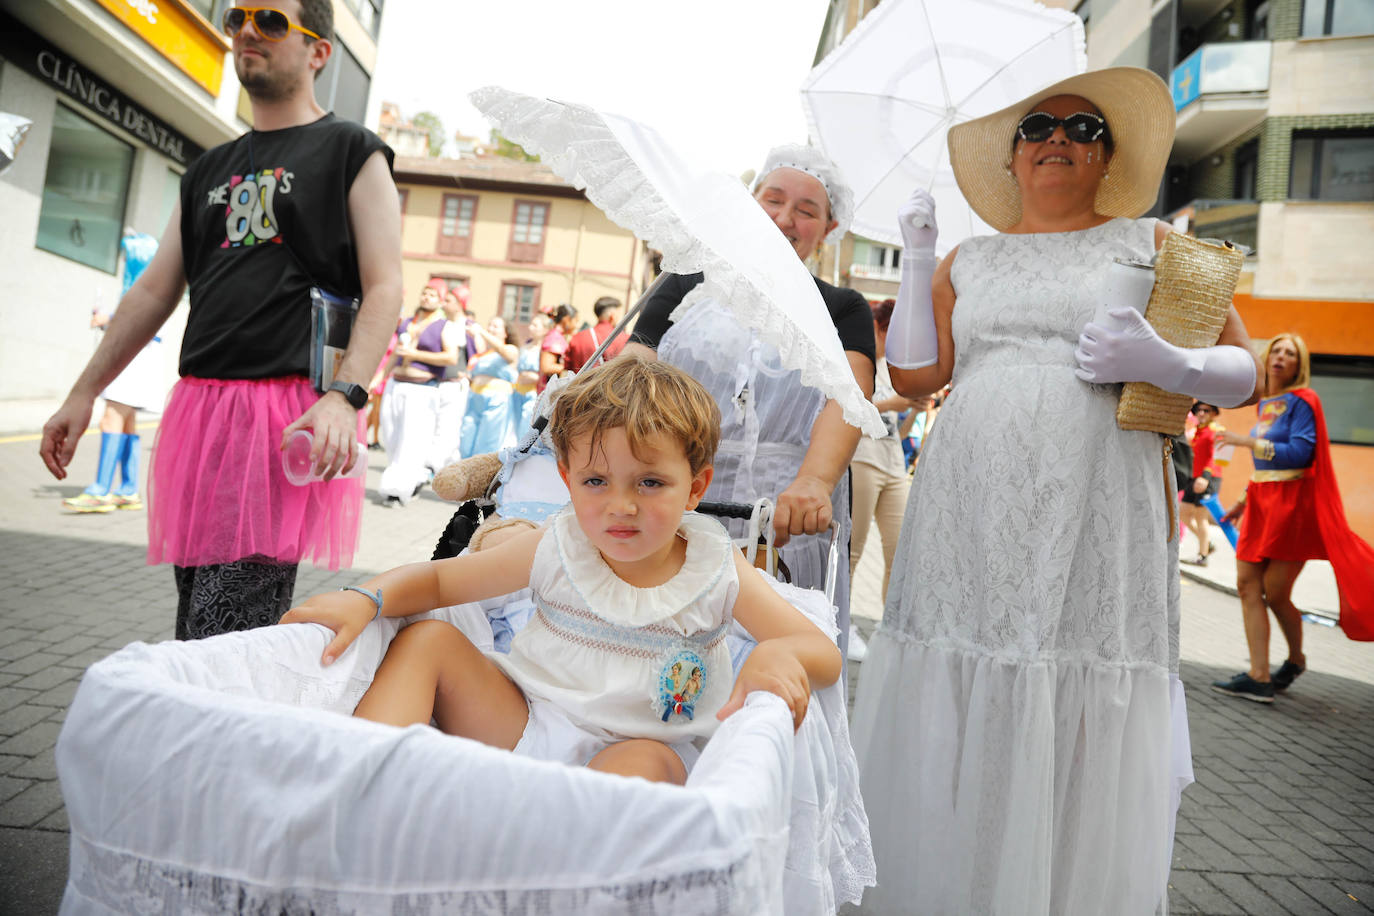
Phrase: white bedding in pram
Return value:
(225, 776)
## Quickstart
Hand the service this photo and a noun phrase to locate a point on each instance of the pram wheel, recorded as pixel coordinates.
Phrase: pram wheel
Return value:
(458, 531)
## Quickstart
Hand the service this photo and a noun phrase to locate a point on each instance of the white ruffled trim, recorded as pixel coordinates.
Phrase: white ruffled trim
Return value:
(577, 144)
(612, 598)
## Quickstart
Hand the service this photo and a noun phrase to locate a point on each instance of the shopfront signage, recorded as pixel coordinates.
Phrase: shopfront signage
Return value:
(178, 35)
(26, 50)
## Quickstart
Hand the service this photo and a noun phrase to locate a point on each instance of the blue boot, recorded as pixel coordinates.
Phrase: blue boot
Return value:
(126, 495)
(105, 468)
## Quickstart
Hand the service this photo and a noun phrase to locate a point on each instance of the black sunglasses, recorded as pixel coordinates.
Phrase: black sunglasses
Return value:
(274, 25)
(1081, 127)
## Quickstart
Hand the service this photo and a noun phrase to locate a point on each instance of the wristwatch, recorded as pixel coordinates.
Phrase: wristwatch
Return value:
(353, 394)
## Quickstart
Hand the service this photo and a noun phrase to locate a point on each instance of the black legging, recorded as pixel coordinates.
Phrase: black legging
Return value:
(227, 597)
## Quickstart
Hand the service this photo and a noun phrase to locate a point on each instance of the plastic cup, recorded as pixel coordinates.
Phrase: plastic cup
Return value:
(300, 470)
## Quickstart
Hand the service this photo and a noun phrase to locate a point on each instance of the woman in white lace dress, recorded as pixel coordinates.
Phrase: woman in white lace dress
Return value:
(1019, 723)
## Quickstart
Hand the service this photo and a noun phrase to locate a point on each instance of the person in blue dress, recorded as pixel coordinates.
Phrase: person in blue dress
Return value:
(487, 423)
(527, 376)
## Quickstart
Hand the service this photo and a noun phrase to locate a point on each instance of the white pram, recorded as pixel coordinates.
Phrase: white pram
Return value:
(227, 775)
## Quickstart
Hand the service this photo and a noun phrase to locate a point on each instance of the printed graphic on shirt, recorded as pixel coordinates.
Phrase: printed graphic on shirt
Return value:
(250, 216)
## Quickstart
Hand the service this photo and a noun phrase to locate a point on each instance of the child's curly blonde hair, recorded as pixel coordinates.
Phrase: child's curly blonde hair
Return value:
(645, 399)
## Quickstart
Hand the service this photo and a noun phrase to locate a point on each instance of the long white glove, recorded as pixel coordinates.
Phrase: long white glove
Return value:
(911, 340)
(1127, 349)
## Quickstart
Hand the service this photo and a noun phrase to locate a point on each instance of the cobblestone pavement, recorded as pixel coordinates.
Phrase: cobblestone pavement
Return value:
(1281, 819)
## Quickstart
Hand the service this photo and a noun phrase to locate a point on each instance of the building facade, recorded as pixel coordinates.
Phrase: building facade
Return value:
(123, 95)
(515, 234)
(1275, 151)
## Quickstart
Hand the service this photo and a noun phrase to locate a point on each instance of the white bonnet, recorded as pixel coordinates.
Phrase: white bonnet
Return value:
(813, 162)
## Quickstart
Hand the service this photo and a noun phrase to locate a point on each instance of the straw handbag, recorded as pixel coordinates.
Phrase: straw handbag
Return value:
(1194, 282)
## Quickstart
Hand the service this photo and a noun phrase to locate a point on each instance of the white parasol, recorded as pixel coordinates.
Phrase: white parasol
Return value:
(880, 104)
(700, 221)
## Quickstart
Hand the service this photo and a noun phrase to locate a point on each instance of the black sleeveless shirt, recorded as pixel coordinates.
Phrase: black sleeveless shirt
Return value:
(242, 204)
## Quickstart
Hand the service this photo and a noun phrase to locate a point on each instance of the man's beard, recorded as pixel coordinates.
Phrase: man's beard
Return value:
(263, 85)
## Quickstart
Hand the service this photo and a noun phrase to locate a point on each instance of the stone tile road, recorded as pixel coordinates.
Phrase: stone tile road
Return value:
(1281, 819)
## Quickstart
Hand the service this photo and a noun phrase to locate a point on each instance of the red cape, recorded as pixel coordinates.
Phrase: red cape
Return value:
(1351, 558)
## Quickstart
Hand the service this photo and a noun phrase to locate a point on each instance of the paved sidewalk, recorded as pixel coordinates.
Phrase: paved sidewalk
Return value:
(1278, 822)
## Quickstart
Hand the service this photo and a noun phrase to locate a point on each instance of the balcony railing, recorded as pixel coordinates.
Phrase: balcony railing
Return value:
(1225, 67)
(1236, 221)
(875, 272)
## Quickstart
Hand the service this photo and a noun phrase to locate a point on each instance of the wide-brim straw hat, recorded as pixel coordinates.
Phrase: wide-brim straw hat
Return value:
(1140, 115)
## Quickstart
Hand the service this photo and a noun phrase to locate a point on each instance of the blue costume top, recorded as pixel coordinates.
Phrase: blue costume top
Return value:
(139, 249)
(495, 365)
(1286, 421)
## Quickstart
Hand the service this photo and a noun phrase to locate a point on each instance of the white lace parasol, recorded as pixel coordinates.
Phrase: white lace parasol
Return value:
(700, 221)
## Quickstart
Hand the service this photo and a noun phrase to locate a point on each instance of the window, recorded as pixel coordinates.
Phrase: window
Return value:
(84, 192)
(884, 256)
(404, 195)
(1257, 29)
(343, 85)
(1337, 17)
(171, 196)
(369, 14)
(451, 281)
(1247, 168)
(212, 10)
(1332, 165)
(1346, 387)
(527, 231)
(518, 302)
(456, 216)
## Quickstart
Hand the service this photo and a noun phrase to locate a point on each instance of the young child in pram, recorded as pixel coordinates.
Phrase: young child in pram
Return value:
(624, 664)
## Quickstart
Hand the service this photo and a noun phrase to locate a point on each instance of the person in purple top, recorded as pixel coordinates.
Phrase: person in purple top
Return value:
(429, 345)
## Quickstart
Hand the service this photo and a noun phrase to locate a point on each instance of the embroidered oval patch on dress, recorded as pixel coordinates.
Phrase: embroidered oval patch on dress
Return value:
(681, 680)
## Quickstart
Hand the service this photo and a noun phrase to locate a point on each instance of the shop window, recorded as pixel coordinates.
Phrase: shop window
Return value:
(519, 301)
(1337, 17)
(456, 216)
(343, 85)
(84, 192)
(1346, 388)
(527, 231)
(1332, 165)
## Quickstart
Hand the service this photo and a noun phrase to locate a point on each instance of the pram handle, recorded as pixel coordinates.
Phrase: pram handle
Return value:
(727, 510)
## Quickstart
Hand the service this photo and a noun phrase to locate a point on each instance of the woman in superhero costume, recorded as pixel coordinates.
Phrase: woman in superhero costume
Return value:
(1291, 513)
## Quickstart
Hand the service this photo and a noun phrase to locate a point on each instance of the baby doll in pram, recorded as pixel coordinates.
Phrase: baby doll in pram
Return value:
(221, 802)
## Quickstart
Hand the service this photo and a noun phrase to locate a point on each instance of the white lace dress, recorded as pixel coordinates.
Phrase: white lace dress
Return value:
(1013, 719)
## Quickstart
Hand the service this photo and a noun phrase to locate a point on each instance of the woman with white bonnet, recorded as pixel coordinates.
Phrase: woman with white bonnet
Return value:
(1019, 720)
(779, 439)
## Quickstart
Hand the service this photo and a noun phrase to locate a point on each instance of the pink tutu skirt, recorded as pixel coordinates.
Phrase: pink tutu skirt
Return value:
(216, 490)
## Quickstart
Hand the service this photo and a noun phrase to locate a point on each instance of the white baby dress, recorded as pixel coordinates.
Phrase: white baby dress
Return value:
(626, 661)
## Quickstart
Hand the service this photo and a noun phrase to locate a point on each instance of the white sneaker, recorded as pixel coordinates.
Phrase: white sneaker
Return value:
(858, 649)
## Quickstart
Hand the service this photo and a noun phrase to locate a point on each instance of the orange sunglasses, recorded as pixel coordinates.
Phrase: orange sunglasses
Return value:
(274, 25)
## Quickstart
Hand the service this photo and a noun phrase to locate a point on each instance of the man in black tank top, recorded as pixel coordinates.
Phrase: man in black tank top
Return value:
(303, 200)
